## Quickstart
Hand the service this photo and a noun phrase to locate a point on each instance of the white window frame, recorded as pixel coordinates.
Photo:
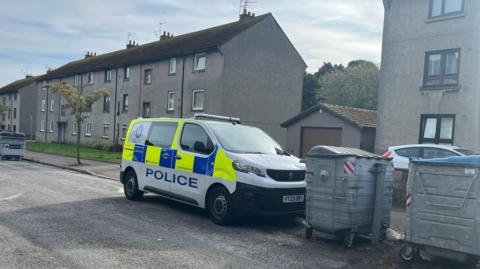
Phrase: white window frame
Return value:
(195, 61)
(90, 77)
(108, 75)
(88, 129)
(193, 100)
(106, 125)
(43, 105)
(172, 66)
(50, 126)
(124, 131)
(147, 80)
(126, 73)
(42, 125)
(52, 105)
(171, 95)
(76, 80)
(74, 128)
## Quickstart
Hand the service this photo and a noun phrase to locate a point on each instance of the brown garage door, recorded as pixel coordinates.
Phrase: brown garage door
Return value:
(312, 136)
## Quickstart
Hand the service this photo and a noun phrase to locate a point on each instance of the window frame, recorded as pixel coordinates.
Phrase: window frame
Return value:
(108, 76)
(74, 128)
(43, 105)
(106, 125)
(195, 57)
(42, 125)
(52, 105)
(193, 100)
(149, 110)
(173, 123)
(106, 105)
(76, 80)
(124, 131)
(88, 128)
(50, 126)
(442, 11)
(443, 66)
(170, 61)
(14, 113)
(125, 103)
(170, 94)
(438, 128)
(90, 78)
(180, 145)
(147, 73)
(126, 73)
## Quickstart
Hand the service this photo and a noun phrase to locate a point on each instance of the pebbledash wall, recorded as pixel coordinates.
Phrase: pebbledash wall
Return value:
(256, 74)
(423, 97)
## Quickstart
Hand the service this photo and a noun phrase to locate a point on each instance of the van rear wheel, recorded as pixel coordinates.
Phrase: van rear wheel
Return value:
(130, 187)
(220, 206)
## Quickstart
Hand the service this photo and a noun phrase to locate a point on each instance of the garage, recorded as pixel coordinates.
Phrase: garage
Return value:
(332, 125)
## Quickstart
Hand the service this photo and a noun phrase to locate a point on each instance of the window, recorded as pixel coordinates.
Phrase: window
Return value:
(126, 73)
(50, 126)
(171, 101)
(42, 125)
(3, 116)
(63, 109)
(88, 129)
(146, 110)
(108, 75)
(74, 128)
(52, 104)
(415, 153)
(199, 61)
(195, 139)
(76, 80)
(439, 8)
(198, 100)
(125, 103)
(442, 68)
(44, 104)
(15, 96)
(147, 79)
(9, 113)
(161, 134)
(431, 153)
(106, 130)
(106, 104)
(90, 77)
(437, 129)
(172, 66)
(4, 100)
(14, 128)
(14, 112)
(124, 131)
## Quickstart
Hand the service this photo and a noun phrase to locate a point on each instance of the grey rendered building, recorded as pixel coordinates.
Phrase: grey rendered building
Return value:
(247, 69)
(20, 98)
(429, 85)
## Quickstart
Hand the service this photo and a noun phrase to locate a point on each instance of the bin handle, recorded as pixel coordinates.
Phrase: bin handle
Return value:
(442, 205)
(344, 197)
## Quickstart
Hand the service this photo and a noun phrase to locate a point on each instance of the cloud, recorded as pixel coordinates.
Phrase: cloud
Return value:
(41, 34)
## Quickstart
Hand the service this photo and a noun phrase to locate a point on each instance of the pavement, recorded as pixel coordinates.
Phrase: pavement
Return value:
(96, 168)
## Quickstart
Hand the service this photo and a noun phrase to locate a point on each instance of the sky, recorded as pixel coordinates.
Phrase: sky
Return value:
(37, 35)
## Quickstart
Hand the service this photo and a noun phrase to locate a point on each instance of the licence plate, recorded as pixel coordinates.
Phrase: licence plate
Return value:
(293, 198)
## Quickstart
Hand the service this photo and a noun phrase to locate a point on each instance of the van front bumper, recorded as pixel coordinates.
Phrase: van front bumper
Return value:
(252, 200)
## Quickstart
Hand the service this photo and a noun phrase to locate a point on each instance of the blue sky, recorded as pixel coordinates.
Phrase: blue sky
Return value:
(36, 35)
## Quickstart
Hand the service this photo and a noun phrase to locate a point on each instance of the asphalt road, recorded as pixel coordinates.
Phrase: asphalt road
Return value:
(51, 218)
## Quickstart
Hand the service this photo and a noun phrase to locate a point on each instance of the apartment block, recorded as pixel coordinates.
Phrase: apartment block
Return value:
(19, 97)
(247, 69)
(429, 74)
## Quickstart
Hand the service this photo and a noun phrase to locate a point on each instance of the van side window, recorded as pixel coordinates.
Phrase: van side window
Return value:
(195, 139)
(161, 134)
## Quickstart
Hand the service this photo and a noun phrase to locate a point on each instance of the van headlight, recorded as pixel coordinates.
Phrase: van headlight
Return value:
(245, 168)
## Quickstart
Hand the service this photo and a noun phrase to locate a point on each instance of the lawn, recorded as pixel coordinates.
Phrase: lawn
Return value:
(87, 153)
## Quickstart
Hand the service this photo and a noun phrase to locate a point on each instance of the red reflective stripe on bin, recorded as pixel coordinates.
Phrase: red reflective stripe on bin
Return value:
(408, 199)
(349, 168)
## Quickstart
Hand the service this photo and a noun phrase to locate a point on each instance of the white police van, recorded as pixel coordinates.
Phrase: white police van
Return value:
(212, 162)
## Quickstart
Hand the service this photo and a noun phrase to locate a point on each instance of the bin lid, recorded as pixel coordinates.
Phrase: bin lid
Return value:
(463, 161)
(11, 134)
(339, 152)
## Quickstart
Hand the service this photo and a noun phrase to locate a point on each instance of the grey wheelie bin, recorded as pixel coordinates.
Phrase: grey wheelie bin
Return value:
(342, 200)
(443, 209)
(12, 145)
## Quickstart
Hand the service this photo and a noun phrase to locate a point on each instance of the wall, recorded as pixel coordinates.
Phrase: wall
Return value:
(26, 111)
(408, 35)
(263, 78)
(351, 135)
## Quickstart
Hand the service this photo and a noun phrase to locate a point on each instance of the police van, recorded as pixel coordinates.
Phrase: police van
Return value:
(212, 162)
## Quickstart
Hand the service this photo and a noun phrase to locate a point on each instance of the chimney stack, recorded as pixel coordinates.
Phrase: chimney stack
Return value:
(90, 54)
(246, 15)
(166, 35)
(131, 44)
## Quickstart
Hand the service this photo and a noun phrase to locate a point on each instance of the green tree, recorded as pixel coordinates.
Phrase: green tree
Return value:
(78, 105)
(311, 84)
(3, 108)
(356, 85)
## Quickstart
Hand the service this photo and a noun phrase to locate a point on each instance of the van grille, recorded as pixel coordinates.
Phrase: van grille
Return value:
(286, 175)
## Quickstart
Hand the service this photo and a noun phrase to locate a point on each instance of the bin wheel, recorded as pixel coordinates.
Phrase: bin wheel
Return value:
(408, 253)
(308, 233)
(348, 240)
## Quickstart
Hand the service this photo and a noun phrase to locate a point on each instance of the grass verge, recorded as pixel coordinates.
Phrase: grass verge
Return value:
(68, 150)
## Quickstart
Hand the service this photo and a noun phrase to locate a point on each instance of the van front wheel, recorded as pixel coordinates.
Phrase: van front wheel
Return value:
(220, 206)
(130, 187)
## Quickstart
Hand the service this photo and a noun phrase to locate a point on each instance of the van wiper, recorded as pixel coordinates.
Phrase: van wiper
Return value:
(252, 152)
(282, 152)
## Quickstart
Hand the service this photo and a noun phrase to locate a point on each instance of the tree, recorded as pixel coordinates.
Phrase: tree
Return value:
(311, 84)
(78, 105)
(355, 86)
(3, 108)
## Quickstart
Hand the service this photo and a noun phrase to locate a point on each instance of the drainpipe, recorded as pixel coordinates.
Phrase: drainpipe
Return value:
(46, 114)
(181, 89)
(115, 137)
(140, 92)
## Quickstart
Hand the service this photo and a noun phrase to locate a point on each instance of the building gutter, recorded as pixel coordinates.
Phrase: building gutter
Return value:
(182, 86)
(115, 136)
